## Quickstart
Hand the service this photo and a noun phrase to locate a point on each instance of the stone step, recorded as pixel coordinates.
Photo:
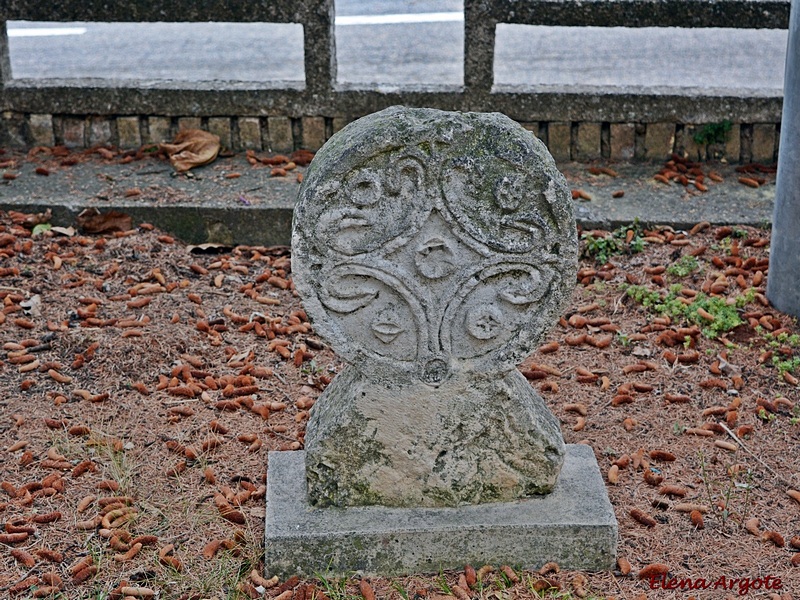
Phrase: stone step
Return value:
(255, 208)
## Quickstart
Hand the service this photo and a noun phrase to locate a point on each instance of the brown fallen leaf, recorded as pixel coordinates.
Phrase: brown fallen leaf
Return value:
(302, 157)
(643, 518)
(774, 537)
(697, 519)
(29, 220)
(653, 570)
(753, 526)
(366, 590)
(624, 565)
(91, 220)
(191, 148)
(67, 231)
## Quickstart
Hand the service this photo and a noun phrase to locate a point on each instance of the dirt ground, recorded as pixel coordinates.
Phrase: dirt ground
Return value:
(144, 381)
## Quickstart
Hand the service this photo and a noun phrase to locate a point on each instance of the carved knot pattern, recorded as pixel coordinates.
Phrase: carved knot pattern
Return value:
(429, 243)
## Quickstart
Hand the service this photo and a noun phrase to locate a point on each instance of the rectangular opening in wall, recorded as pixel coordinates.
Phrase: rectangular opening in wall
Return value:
(400, 43)
(253, 52)
(648, 57)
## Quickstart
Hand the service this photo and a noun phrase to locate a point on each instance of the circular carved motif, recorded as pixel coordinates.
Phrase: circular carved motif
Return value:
(435, 371)
(427, 243)
(484, 322)
(435, 259)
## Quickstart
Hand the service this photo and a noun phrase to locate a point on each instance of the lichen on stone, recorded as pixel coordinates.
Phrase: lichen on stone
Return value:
(432, 250)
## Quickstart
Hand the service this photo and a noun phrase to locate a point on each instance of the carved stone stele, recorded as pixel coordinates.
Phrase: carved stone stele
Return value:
(432, 251)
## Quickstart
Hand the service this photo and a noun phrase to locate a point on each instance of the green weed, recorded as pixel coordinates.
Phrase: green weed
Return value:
(602, 248)
(443, 585)
(623, 339)
(400, 590)
(795, 418)
(713, 133)
(729, 490)
(789, 365)
(685, 265)
(725, 316)
(782, 339)
(336, 588)
(765, 415)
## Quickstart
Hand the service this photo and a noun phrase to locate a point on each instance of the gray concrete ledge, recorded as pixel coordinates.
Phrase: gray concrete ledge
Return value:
(631, 13)
(574, 526)
(112, 98)
(256, 209)
(759, 14)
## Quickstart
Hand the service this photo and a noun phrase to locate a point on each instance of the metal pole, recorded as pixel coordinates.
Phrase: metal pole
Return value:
(783, 287)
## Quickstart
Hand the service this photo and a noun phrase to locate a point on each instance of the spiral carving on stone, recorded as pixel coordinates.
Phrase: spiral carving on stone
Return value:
(433, 243)
(432, 251)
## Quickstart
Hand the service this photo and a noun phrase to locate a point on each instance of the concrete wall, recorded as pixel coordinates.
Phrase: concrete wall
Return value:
(577, 122)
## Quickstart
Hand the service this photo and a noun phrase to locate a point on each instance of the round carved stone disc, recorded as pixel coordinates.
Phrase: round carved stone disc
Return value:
(431, 243)
(432, 251)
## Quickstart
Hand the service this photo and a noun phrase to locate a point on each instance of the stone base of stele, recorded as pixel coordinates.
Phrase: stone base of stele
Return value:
(573, 526)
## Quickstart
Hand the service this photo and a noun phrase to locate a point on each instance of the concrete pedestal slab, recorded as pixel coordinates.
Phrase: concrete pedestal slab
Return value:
(574, 526)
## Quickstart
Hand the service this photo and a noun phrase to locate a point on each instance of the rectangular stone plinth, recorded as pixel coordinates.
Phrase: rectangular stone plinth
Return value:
(574, 526)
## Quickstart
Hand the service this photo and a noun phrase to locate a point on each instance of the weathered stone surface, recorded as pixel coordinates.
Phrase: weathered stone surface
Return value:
(733, 142)
(474, 440)
(587, 143)
(99, 131)
(73, 132)
(14, 130)
(659, 140)
(249, 133)
(623, 141)
(763, 146)
(433, 250)
(313, 133)
(559, 136)
(533, 127)
(339, 123)
(573, 526)
(129, 132)
(41, 127)
(689, 147)
(190, 123)
(782, 288)
(221, 127)
(280, 134)
(159, 130)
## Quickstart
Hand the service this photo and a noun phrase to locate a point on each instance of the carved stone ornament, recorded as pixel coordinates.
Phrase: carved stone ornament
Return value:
(432, 251)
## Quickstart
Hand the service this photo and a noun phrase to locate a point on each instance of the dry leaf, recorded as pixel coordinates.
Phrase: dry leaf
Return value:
(67, 231)
(92, 220)
(30, 220)
(33, 306)
(240, 356)
(192, 148)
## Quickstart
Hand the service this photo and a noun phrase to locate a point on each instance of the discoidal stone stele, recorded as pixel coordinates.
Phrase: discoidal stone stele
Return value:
(432, 250)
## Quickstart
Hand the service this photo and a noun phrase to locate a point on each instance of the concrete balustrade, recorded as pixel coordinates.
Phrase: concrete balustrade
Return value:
(270, 116)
